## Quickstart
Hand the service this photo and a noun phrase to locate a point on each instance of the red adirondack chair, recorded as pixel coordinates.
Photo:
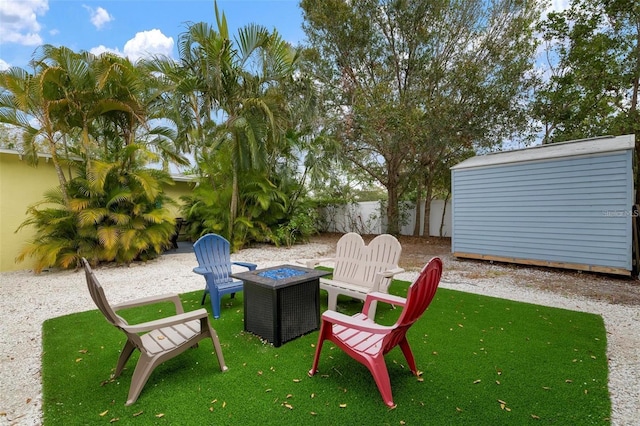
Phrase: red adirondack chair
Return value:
(368, 342)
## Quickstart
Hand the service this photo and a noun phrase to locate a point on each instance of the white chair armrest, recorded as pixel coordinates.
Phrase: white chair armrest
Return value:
(312, 263)
(391, 272)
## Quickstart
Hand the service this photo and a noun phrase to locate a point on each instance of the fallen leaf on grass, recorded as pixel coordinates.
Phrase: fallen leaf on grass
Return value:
(104, 413)
(78, 359)
(296, 380)
(533, 416)
(83, 351)
(115, 419)
(160, 415)
(475, 382)
(289, 406)
(503, 405)
(343, 405)
(138, 413)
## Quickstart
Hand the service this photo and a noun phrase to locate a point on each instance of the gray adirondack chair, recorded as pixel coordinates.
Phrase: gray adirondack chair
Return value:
(158, 340)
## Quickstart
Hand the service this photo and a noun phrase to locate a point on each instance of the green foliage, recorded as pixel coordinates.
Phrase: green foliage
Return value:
(263, 214)
(484, 361)
(232, 111)
(411, 87)
(299, 227)
(593, 88)
(112, 215)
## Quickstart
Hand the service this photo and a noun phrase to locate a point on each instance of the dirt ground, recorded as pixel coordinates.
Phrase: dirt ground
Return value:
(416, 251)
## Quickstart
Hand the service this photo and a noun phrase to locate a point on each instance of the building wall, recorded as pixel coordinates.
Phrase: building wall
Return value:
(21, 186)
(569, 212)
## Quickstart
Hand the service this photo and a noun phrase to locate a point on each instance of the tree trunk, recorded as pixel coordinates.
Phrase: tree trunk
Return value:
(418, 209)
(62, 179)
(444, 213)
(393, 216)
(233, 210)
(427, 209)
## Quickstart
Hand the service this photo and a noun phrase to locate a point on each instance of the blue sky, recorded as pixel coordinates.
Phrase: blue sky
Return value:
(134, 28)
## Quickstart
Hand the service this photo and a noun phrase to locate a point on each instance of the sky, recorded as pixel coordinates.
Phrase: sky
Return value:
(132, 28)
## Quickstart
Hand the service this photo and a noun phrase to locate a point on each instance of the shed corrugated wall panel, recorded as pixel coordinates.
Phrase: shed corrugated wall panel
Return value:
(570, 210)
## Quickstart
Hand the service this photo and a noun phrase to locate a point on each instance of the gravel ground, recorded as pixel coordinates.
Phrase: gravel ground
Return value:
(26, 300)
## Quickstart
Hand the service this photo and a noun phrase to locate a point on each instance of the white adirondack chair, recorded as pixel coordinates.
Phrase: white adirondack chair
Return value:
(359, 268)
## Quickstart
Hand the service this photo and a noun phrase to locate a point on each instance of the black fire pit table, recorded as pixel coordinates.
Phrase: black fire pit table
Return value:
(281, 302)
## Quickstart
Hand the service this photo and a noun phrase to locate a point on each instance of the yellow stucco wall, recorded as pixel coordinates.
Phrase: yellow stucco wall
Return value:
(21, 186)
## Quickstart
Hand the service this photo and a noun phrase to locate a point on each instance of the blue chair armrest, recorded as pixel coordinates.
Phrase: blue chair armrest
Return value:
(249, 266)
(200, 270)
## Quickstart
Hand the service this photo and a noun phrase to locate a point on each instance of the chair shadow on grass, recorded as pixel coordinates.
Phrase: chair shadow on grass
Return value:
(481, 358)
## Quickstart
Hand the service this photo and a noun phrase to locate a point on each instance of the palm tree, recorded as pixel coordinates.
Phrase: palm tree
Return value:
(27, 103)
(234, 94)
(95, 110)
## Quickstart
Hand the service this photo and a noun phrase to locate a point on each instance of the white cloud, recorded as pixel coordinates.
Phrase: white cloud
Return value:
(144, 45)
(4, 65)
(147, 44)
(99, 17)
(20, 21)
(102, 49)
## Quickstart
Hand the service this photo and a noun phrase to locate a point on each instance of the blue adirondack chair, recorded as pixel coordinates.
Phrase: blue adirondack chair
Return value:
(214, 260)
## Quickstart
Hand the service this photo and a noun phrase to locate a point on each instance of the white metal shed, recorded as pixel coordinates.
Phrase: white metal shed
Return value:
(566, 205)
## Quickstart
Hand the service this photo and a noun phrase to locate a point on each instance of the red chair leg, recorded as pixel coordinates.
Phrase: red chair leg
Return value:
(408, 354)
(378, 369)
(321, 338)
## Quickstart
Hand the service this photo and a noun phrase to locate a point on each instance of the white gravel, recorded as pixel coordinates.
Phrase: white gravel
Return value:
(26, 300)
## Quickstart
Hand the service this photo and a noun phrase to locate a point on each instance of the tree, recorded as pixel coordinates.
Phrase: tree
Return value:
(408, 81)
(92, 113)
(25, 99)
(232, 99)
(594, 58)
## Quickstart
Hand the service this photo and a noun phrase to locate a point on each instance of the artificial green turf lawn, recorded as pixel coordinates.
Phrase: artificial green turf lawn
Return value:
(485, 361)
